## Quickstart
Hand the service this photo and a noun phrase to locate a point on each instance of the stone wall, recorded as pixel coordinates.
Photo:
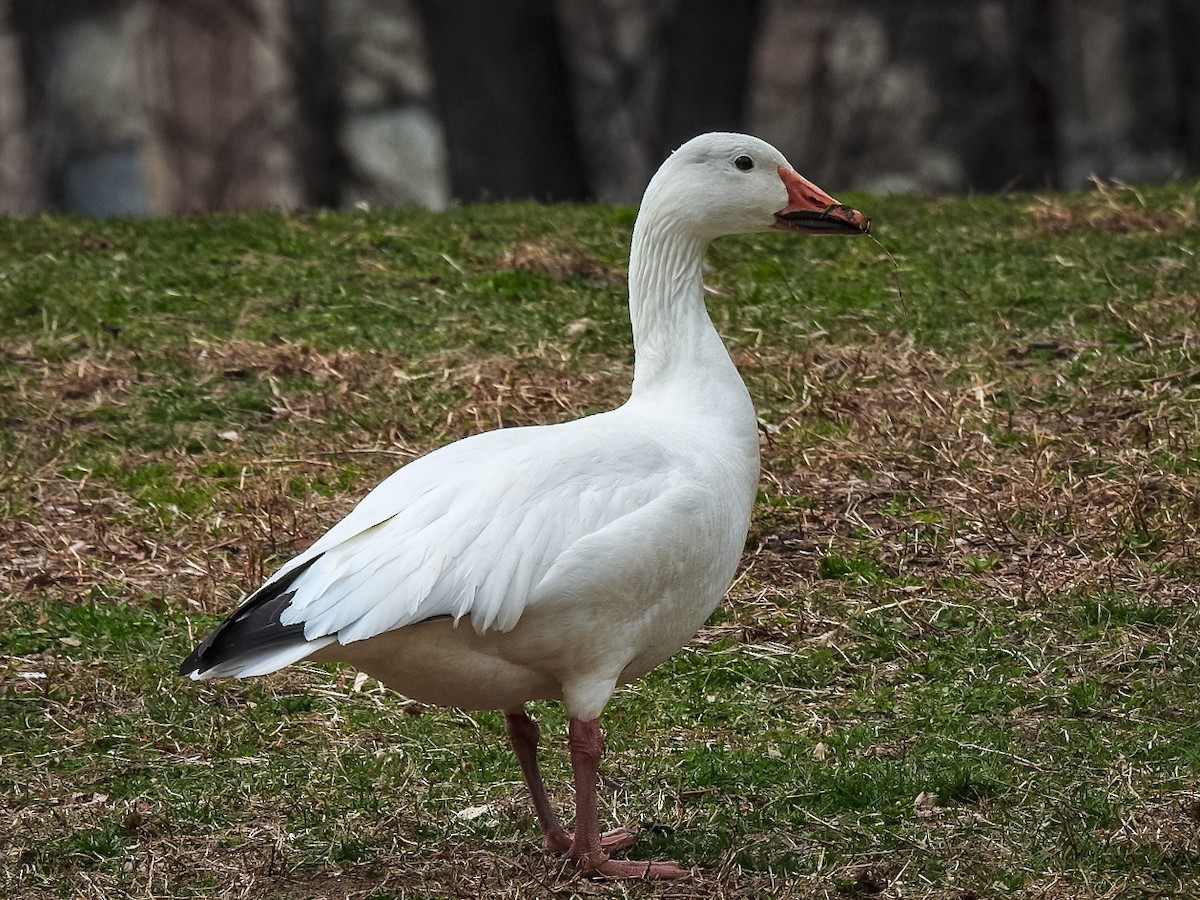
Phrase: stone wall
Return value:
(83, 127)
(980, 95)
(167, 106)
(387, 130)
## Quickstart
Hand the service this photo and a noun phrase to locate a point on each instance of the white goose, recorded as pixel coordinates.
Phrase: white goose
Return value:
(559, 561)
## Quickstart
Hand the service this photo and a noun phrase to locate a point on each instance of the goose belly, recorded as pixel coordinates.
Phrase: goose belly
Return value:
(446, 664)
(589, 647)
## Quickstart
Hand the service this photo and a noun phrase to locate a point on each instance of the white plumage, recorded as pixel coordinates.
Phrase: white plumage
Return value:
(559, 561)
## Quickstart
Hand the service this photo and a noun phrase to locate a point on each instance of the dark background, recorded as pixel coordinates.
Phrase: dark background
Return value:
(177, 106)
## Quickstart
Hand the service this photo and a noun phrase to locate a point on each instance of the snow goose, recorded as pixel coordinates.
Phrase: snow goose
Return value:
(557, 562)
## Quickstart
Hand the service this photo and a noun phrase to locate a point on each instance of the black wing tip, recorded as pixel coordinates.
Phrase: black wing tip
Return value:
(195, 663)
(242, 630)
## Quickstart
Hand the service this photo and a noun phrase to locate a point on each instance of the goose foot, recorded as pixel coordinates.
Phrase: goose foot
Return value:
(627, 868)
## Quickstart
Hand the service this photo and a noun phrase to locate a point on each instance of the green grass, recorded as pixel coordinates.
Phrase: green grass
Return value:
(960, 660)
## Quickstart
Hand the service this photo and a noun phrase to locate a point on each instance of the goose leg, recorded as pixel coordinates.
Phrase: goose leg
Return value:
(523, 734)
(587, 849)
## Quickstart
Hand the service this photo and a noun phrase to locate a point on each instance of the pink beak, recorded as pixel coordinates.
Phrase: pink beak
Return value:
(811, 209)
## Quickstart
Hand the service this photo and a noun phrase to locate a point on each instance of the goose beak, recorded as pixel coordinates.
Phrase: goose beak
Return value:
(811, 209)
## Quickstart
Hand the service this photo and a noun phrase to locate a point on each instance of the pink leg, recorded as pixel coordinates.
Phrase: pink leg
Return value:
(587, 742)
(523, 733)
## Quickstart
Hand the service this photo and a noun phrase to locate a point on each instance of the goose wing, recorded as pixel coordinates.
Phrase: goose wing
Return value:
(469, 530)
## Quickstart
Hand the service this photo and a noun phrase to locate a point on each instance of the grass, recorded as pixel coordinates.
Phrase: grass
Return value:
(960, 660)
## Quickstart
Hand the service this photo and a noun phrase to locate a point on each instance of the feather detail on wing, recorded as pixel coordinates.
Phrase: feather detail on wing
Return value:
(467, 531)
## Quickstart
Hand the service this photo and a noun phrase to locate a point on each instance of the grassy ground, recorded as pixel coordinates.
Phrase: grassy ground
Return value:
(962, 659)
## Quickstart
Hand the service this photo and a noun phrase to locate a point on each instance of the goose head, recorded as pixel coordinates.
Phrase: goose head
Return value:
(721, 183)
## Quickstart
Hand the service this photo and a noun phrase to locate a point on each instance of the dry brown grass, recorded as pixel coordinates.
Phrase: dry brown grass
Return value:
(560, 260)
(1111, 209)
(1053, 489)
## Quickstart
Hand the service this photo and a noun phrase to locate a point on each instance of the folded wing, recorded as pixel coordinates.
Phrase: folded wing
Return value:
(468, 531)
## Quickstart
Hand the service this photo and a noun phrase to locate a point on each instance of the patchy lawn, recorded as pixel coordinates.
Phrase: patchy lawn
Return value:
(961, 660)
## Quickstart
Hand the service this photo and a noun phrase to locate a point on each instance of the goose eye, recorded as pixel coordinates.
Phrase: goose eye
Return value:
(744, 163)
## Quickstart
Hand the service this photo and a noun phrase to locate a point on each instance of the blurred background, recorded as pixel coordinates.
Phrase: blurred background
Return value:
(155, 107)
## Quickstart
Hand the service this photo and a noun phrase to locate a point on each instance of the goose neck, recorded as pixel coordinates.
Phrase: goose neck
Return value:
(672, 332)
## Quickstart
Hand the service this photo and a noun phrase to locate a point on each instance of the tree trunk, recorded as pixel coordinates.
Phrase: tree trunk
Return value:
(707, 46)
(19, 194)
(315, 68)
(1183, 28)
(502, 95)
